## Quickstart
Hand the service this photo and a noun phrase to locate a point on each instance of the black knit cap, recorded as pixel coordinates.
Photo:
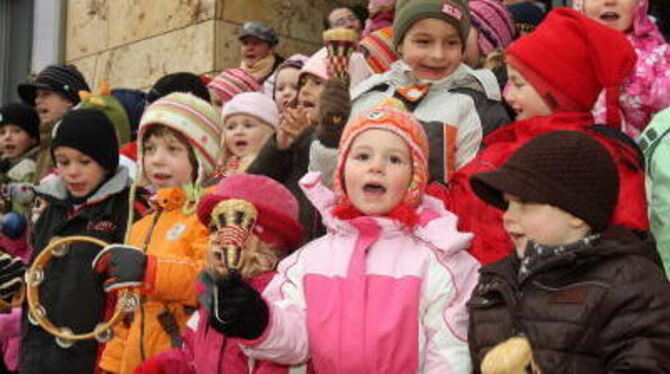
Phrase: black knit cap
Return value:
(178, 82)
(566, 169)
(23, 116)
(90, 132)
(66, 79)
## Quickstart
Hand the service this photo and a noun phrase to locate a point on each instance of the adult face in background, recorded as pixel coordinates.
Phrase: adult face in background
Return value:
(253, 49)
(344, 17)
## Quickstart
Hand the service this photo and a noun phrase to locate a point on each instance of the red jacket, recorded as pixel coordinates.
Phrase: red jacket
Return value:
(491, 242)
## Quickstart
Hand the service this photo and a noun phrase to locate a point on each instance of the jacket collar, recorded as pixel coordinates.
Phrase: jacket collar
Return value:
(434, 220)
(55, 188)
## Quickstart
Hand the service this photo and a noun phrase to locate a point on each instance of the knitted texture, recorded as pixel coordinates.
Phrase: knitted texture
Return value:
(233, 81)
(23, 116)
(493, 23)
(277, 221)
(334, 111)
(65, 79)
(400, 122)
(586, 57)
(194, 119)
(253, 104)
(566, 169)
(380, 51)
(92, 133)
(408, 12)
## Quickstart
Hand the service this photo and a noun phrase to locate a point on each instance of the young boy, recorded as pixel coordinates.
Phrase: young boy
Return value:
(53, 93)
(384, 290)
(88, 197)
(589, 58)
(179, 139)
(590, 297)
(456, 104)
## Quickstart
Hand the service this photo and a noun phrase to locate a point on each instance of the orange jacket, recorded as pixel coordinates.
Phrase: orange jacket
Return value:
(175, 256)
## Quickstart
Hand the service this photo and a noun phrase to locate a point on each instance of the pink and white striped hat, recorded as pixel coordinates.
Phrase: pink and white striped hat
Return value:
(232, 82)
(194, 119)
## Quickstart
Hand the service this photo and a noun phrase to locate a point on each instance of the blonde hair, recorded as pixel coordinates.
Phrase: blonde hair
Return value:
(256, 258)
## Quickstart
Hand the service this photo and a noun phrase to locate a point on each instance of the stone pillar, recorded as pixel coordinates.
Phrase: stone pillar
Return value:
(132, 43)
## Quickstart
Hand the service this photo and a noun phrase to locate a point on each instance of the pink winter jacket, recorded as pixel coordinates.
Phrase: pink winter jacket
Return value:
(370, 297)
(206, 351)
(647, 90)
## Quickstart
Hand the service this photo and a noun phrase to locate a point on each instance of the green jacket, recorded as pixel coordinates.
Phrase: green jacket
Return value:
(655, 143)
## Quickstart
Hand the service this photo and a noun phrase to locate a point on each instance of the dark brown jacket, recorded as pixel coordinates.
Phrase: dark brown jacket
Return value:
(600, 309)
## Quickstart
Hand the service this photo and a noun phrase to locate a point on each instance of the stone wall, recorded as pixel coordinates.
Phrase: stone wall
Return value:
(131, 43)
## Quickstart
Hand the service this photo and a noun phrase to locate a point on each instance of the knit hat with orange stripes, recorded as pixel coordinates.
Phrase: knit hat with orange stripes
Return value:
(194, 119)
(232, 82)
(387, 116)
(379, 50)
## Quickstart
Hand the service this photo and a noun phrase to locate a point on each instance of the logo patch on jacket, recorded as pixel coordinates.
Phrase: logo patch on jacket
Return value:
(102, 226)
(176, 231)
(572, 295)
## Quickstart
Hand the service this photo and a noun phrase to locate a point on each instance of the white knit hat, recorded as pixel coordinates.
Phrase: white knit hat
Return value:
(194, 119)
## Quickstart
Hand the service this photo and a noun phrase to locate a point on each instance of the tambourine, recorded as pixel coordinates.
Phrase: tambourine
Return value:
(37, 314)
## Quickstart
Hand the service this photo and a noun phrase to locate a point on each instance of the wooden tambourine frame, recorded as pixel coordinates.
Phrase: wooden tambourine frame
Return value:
(37, 314)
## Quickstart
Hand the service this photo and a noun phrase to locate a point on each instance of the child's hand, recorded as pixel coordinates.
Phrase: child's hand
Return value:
(292, 123)
(238, 310)
(123, 264)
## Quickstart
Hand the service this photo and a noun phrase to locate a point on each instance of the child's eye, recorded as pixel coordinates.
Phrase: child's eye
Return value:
(396, 160)
(453, 43)
(421, 41)
(249, 125)
(174, 148)
(149, 148)
(361, 156)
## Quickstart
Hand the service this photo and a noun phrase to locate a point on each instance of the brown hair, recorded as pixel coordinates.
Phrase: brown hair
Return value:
(161, 131)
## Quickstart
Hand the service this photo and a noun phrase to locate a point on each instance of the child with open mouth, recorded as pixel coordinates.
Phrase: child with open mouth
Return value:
(385, 288)
(646, 91)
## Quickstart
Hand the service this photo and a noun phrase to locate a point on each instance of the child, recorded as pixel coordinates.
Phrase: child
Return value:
(456, 104)
(547, 97)
(249, 120)
(384, 290)
(286, 83)
(19, 137)
(54, 92)
(88, 197)
(276, 232)
(380, 15)
(179, 140)
(590, 297)
(645, 91)
(655, 144)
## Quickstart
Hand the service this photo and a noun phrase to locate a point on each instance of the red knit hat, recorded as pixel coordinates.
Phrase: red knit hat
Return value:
(233, 81)
(569, 59)
(387, 116)
(277, 221)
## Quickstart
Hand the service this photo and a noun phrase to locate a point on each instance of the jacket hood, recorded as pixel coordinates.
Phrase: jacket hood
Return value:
(55, 188)
(437, 227)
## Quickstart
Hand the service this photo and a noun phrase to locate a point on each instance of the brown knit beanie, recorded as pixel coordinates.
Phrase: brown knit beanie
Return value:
(408, 12)
(566, 169)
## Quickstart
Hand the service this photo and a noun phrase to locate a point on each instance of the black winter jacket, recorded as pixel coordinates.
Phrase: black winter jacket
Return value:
(72, 293)
(600, 309)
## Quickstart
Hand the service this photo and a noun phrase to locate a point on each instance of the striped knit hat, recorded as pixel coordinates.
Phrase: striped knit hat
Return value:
(194, 119)
(387, 116)
(232, 82)
(379, 49)
(493, 23)
(65, 79)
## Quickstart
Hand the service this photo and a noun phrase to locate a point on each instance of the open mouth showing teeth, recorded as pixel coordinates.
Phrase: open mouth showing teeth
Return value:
(374, 189)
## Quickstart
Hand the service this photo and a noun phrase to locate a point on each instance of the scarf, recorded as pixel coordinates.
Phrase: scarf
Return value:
(262, 68)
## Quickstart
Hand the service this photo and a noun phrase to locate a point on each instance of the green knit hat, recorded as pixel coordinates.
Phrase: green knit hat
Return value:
(407, 12)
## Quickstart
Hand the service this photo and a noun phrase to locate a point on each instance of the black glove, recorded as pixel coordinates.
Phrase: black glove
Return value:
(238, 310)
(11, 275)
(124, 265)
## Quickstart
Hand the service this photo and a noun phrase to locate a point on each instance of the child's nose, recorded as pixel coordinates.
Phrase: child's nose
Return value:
(377, 165)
